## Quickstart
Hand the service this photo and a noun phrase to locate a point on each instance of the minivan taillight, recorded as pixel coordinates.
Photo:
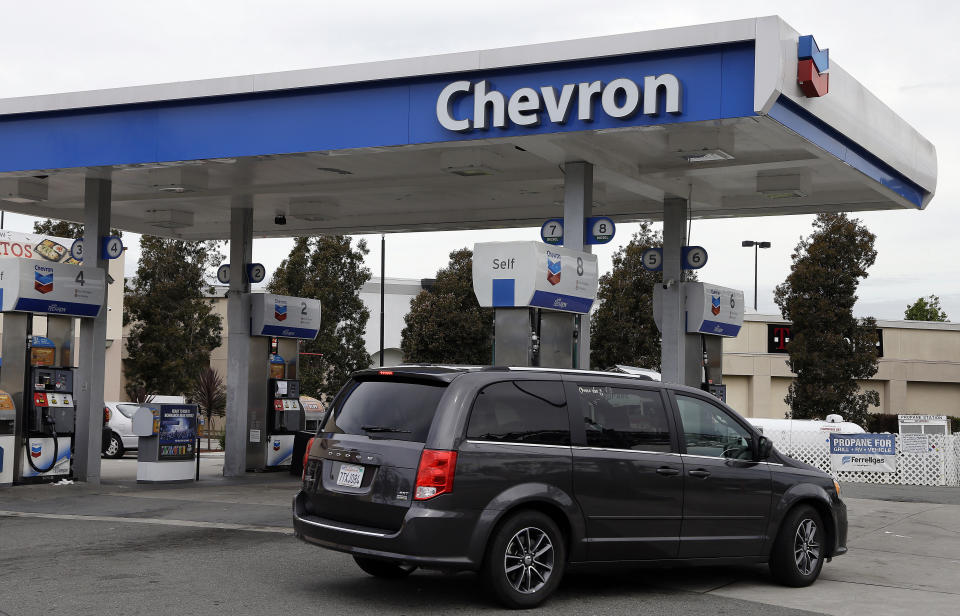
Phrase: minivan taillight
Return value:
(106, 415)
(306, 454)
(435, 473)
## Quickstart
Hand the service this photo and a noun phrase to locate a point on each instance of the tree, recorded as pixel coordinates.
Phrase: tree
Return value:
(329, 269)
(174, 326)
(831, 349)
(622, 330)
(210, 396)
(63, 228)
(925, 309)
(446, 323)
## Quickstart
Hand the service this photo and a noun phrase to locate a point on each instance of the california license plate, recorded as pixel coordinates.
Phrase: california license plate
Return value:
(350, 476)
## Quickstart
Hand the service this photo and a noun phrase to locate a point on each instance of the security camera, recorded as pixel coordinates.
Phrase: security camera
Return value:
(280, 220)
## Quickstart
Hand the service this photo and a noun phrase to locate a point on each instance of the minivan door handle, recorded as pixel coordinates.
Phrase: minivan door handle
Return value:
(667, 470)
(699, 473)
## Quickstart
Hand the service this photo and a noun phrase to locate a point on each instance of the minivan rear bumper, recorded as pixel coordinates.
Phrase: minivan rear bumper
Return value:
(428, 537)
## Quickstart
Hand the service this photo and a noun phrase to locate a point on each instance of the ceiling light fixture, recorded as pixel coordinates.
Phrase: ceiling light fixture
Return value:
(169, 219)
(23, 190)
(784, 185)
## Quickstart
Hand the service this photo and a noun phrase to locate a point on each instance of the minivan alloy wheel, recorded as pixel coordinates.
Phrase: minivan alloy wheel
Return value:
(806, 550)
(529, 559)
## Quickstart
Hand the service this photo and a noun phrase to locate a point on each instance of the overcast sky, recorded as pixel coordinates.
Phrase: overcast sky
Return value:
(904, 52)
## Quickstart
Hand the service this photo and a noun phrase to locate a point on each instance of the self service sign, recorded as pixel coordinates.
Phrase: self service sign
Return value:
(520, 274)
(863, 452)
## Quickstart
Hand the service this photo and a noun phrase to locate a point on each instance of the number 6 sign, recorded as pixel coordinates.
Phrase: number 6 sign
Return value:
(693, 257)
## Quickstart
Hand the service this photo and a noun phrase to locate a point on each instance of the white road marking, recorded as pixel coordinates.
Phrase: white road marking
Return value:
(156, 521)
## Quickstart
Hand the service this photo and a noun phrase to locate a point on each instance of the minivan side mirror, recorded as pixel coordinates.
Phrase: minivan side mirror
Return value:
(764, 448)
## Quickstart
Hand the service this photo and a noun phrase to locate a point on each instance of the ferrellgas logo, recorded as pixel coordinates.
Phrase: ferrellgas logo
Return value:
(813, 65)
(43, 283)
(36, 450)
(280, 311)
(714, 304)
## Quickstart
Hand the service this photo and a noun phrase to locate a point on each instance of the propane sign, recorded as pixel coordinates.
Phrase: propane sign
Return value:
(519, 274)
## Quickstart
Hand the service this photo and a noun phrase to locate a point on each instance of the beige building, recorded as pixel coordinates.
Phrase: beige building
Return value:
(918, 371)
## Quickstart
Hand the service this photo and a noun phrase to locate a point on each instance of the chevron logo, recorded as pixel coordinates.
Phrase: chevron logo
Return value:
(813, 65)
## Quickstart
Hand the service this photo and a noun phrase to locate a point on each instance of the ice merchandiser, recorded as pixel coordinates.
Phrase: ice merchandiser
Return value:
(275, 415)
(37, 405)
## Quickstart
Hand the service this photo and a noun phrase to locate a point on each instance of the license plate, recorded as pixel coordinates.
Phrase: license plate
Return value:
(350, 475)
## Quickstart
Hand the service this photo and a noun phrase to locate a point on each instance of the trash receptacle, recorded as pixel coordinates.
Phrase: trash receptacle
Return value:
(300, 440)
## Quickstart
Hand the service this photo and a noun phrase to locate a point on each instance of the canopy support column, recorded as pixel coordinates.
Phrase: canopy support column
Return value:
(93, 335)
(238, 339)
(672, 351)
(577, 203)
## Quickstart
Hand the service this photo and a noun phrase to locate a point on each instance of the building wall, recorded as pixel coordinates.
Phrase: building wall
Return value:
(919, 372)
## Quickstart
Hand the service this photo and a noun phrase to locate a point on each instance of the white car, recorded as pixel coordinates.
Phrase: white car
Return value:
(118, 416)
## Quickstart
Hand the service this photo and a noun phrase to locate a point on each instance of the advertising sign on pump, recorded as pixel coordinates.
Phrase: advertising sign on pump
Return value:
(28, 285)
(283, 316)
(519, 274)
(712, 309)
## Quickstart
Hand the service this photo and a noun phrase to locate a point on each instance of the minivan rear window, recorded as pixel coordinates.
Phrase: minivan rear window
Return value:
(398, 410)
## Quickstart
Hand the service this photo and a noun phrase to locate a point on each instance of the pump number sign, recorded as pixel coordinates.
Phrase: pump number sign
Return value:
(552, 231)
(652, 259)
(600, 230)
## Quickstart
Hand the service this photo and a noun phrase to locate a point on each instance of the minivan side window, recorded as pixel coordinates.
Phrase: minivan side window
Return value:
(623, 418)
(520, 412)
(710, 431)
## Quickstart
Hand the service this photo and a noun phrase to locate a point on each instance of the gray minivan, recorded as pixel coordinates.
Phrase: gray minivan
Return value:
(517, 472)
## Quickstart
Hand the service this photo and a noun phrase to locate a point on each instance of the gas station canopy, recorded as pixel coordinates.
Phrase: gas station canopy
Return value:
(709, 113)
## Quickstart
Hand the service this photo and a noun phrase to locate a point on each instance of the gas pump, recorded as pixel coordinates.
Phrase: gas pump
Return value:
(50, 413)
(538, 292)
(37, 406)
(275, 415)
(712, 313)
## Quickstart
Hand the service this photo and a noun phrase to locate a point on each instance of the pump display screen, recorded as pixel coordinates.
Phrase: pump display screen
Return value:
(178, 431)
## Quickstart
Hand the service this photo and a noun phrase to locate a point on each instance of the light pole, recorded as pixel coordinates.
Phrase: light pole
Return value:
(755, 246)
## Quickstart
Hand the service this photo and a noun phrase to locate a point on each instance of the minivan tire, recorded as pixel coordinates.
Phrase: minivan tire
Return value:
(800, 548)
(525, 559)
(114, 447)
(383, 568)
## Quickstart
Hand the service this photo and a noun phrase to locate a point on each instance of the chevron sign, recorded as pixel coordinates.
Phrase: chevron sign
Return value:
(813, 65)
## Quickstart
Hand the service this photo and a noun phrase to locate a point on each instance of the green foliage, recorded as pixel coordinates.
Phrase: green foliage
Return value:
(446, 323)
(63, 228)
(329, 269)
(174, 326)
(831, 349)
(622, 330)
(925, 309)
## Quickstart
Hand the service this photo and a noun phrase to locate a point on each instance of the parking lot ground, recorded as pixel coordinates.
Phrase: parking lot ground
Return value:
(226, 546)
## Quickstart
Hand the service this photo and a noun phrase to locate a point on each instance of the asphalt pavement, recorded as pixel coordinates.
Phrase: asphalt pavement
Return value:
(225, 546)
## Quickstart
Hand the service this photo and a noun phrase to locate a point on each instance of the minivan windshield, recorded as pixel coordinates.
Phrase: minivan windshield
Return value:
(387, 410)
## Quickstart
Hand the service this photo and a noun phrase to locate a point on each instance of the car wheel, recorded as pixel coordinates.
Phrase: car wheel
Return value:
(114, 448)
(799, 549)
(525, 560)
(383, 568)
